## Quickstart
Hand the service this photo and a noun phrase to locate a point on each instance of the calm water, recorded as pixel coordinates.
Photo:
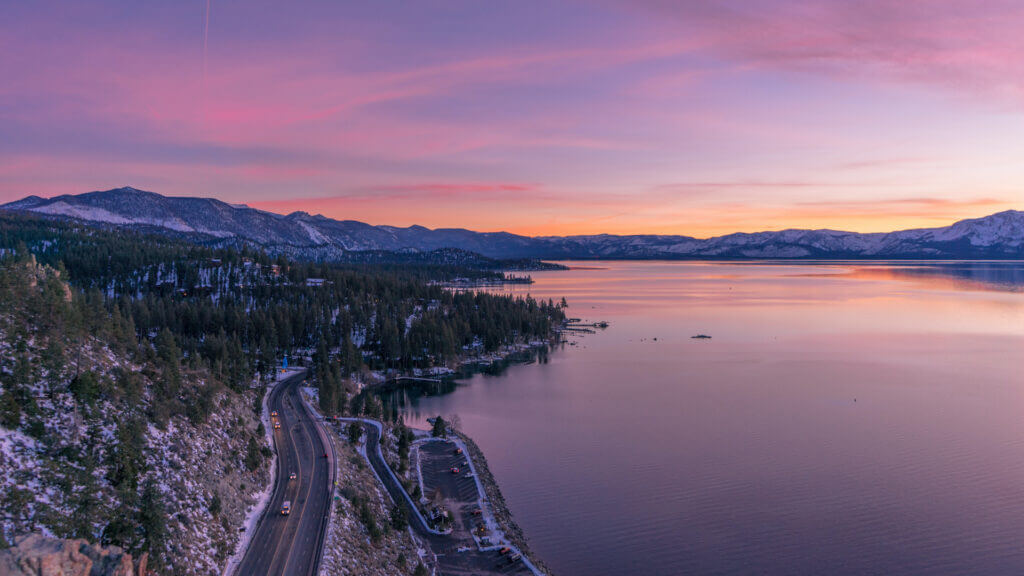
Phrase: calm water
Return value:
(844, 419)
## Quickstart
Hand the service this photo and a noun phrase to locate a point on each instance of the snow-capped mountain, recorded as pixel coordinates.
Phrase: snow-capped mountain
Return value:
(209, 220)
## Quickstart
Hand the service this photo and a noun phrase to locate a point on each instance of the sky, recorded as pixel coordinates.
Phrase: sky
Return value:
(540, 118)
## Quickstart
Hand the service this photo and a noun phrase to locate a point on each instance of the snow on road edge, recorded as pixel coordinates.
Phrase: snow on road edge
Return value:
(252, 518)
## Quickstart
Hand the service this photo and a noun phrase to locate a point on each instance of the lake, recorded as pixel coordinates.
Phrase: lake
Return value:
(853, 418)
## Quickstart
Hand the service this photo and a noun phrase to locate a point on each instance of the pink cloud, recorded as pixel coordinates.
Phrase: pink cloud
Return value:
(969, 48)
(456, 189)
(629, 124)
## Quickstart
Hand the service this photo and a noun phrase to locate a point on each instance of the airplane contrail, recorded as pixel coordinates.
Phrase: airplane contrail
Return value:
(206, 36)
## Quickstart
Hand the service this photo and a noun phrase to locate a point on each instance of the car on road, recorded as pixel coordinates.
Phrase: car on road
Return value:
(504, 550)
(286, 508)
(293, 476)
(277, 425)
(458, 451)
(469, 474)
(455, 469)
(274, 413)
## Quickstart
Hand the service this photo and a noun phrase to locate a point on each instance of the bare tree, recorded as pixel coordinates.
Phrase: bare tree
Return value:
(454, 422)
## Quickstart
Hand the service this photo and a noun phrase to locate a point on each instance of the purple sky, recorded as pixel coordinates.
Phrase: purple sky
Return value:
(535, 117)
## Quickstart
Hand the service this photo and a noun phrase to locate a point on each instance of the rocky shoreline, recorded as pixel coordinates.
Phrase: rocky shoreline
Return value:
(497, 503)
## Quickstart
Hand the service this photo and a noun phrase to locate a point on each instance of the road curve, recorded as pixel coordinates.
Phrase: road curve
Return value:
(290, 545)
(391, 484)
(455, 555)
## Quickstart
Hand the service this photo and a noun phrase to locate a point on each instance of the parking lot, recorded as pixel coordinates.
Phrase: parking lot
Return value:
(459, 553)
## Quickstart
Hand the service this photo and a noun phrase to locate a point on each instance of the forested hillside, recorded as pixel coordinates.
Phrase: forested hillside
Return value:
(240, 312)
(131, 370)
(300, 235)
(115, 439)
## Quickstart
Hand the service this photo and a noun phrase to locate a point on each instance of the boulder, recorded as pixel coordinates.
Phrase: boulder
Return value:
(37, 555)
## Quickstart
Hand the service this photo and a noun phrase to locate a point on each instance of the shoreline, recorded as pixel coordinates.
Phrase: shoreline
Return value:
(519, 353)
(502, 514)
(466, 366)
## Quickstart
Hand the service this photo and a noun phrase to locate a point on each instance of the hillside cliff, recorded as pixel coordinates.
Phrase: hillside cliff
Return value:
(112, 440)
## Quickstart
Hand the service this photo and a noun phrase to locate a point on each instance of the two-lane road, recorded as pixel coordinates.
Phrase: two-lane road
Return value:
(290, 544)
(392, 486)
(456, 553)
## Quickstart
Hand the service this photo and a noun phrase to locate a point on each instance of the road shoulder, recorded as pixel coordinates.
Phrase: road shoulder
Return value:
(255, 514)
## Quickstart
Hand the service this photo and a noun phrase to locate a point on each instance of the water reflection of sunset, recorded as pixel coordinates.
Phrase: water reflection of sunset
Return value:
(838, 411)
(824, 298)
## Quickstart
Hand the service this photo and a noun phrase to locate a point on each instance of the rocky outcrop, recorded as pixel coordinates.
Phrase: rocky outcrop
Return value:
(37, 555)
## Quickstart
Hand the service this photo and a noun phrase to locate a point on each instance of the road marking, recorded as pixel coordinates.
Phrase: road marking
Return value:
(267, 531)
(309, 486)
(288, 520)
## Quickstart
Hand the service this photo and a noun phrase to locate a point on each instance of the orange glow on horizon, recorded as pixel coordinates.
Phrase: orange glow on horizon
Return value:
(710, 122)
(698, 222)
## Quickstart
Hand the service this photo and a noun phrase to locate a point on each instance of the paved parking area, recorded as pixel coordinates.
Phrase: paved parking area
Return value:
(462, 498)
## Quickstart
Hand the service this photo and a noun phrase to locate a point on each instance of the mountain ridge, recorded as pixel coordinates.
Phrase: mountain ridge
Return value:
(209, 220)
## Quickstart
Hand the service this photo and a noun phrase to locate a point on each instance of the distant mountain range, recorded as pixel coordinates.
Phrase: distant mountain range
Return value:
(299, 234)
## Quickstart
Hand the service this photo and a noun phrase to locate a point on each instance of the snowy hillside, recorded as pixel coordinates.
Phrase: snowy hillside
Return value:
(316, 237)
(88, 451)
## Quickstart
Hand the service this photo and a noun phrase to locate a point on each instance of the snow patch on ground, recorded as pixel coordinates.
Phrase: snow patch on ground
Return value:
(255, 512)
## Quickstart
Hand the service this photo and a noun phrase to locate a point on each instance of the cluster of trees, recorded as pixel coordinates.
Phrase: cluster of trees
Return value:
(333, 394)
(38, 308)
(397, 518)
(238, 311)
(49, 328)
(404, 442)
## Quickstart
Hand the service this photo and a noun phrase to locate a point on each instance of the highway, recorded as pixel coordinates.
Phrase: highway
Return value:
(290, 545)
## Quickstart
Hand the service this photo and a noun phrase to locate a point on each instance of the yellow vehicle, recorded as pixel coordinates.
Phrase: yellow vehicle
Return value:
(286, 508)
